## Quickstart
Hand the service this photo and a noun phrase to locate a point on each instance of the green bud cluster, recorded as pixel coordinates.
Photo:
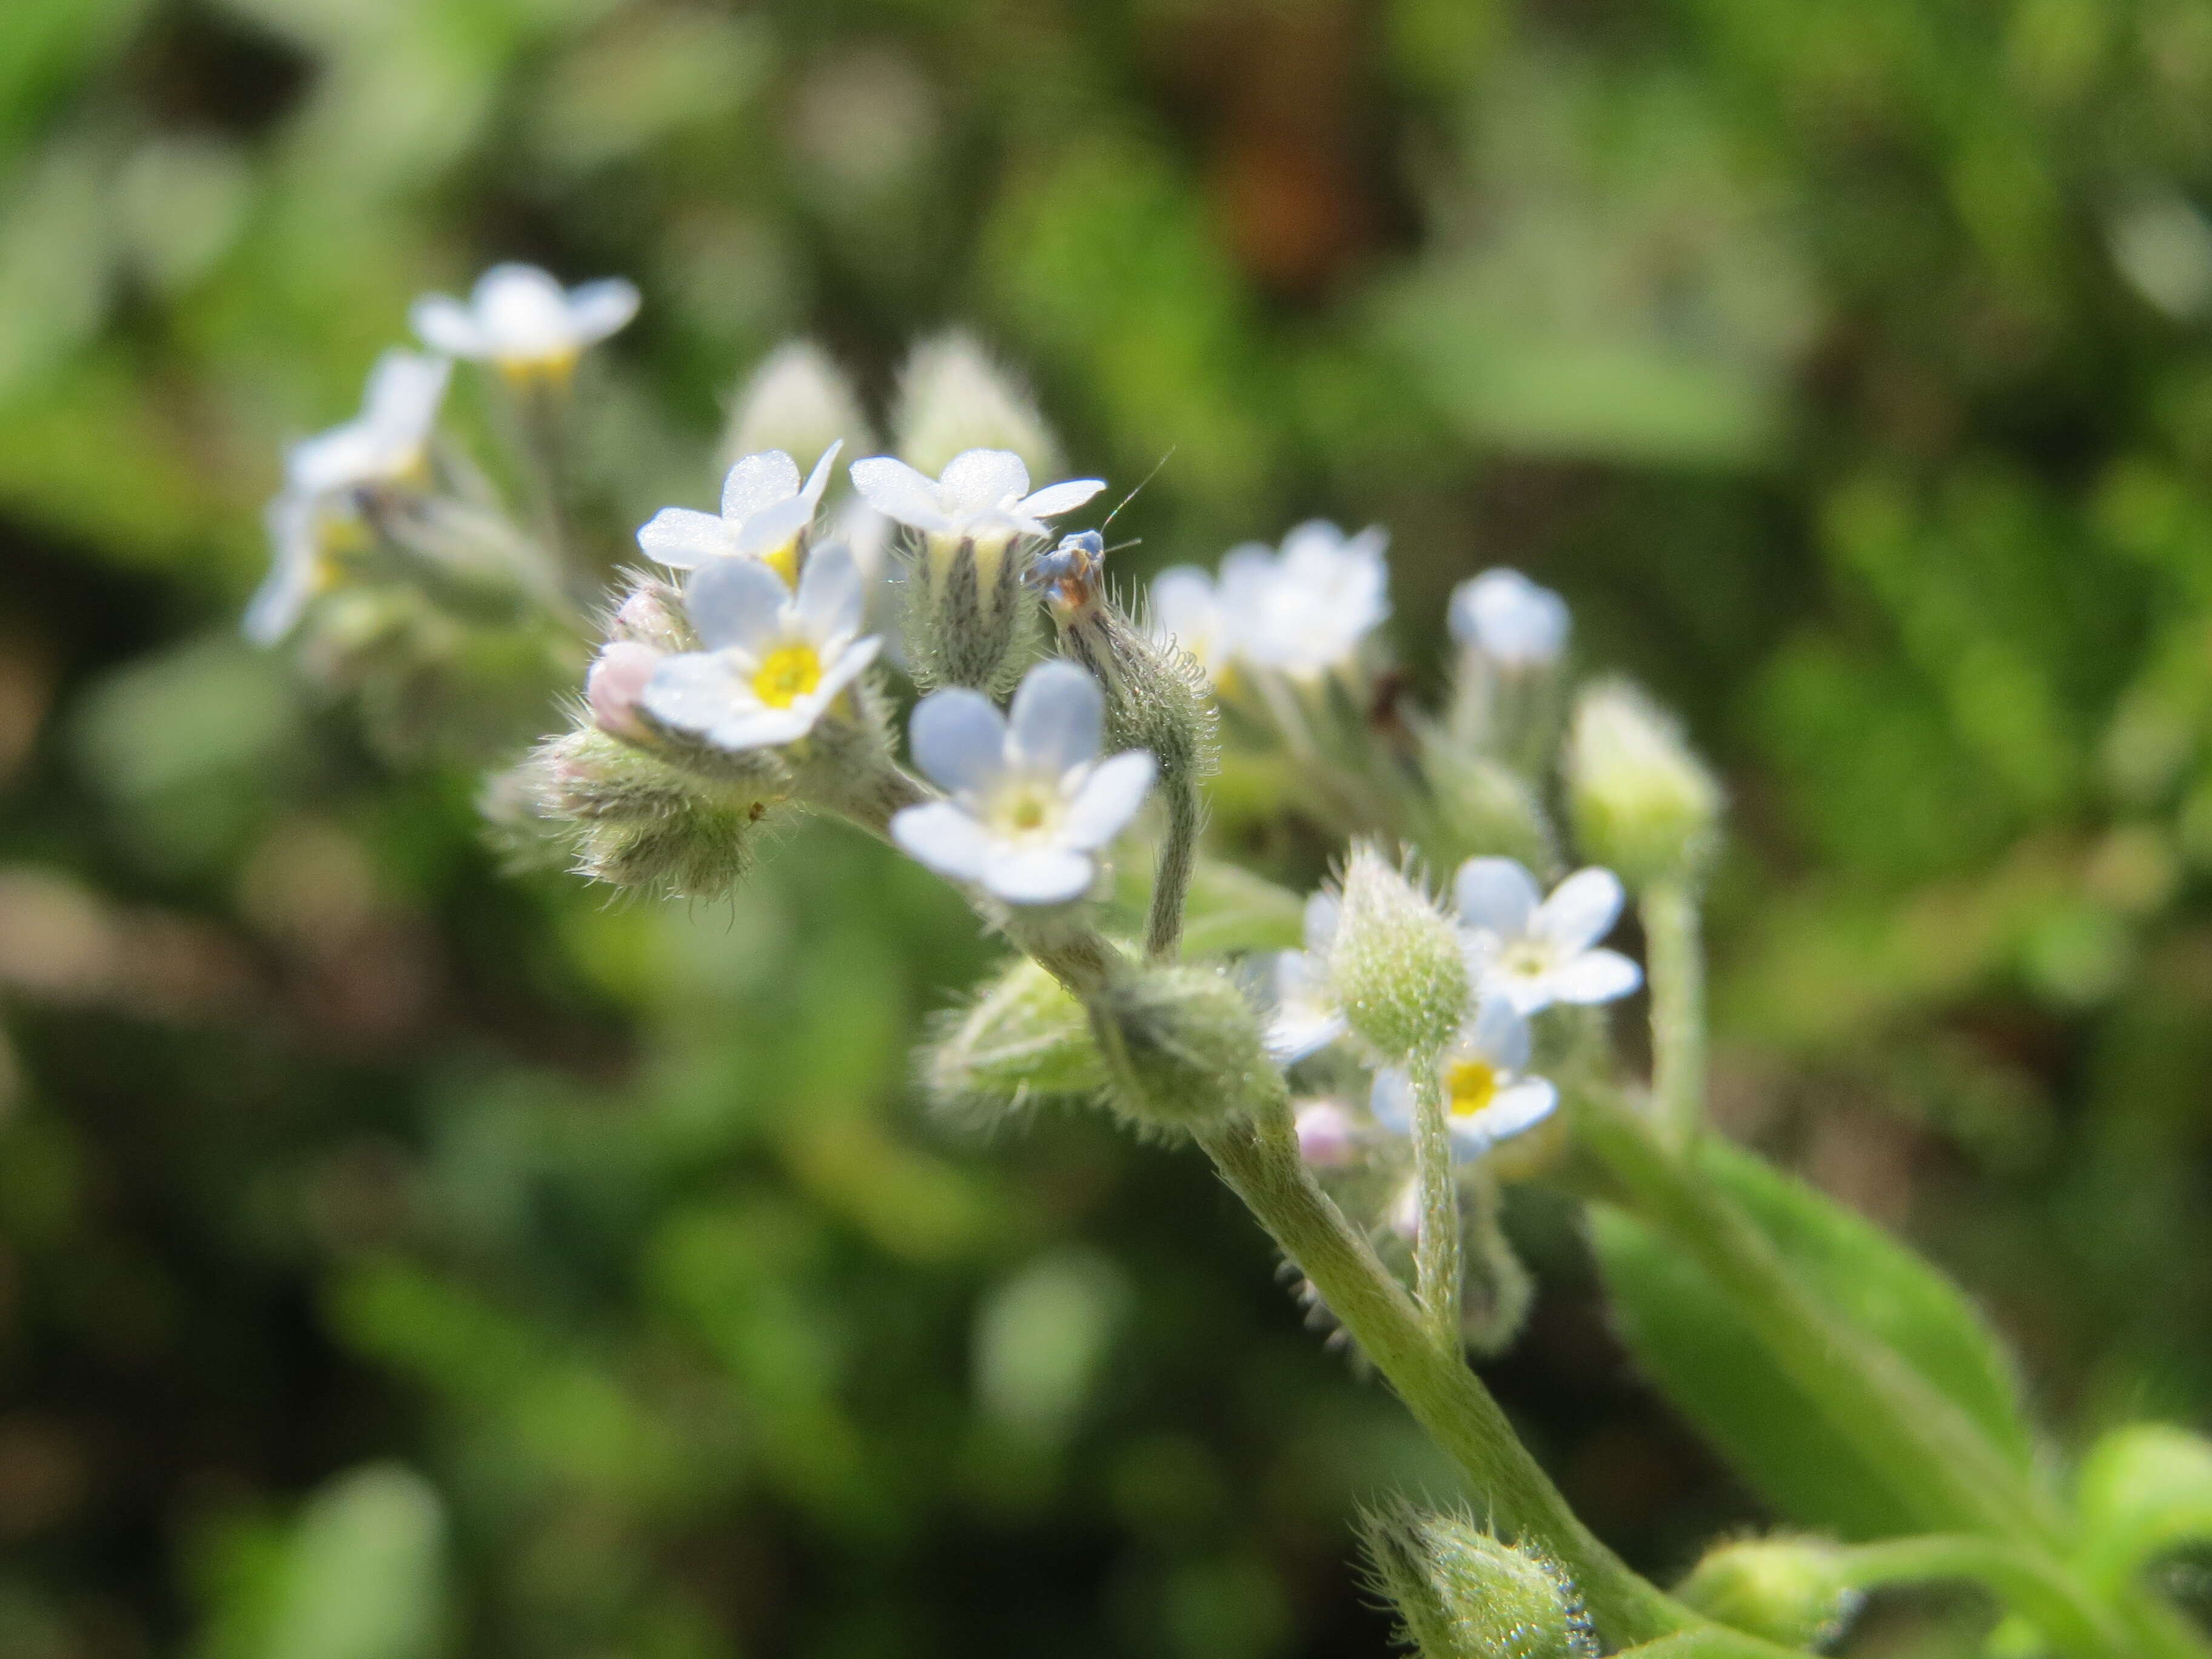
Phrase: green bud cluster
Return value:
(1184, 1048)
(1396, 962)
(1478, 806)
(1023, 1040)
(632, 820)
(1787, 1588)
(1465, 1594)
(1642, 802)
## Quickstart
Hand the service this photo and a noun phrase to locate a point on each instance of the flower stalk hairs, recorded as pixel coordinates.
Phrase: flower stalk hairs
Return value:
(1372, 1067)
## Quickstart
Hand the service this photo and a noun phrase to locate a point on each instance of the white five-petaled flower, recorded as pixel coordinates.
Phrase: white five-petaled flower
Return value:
(1304, 609)
(1535, 950)
(765, 510)
(1031, 802)
(388, 442)
(520, 318)
(982, 493)
(1307, 1018)
(775, 661)
(1517, 623)
(1487, 1095)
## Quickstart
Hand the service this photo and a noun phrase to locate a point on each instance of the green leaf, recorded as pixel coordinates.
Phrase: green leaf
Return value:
(364, 1575)
(2144, 1491)
(1706, 1360)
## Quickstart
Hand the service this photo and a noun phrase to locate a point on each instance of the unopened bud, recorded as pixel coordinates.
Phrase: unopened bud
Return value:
(952, 396)
(798, 401)
(1464, 1594)
(634, 821)
(652, 613)
(1023, 1040)
(1481, 808)
(615, 684)
(1787, 1589)
(1328, 1138)
(1397, 961)
(1643, 803)
(1184, 1048)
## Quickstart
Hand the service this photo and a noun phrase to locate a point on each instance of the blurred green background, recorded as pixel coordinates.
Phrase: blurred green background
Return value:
(400, 1261)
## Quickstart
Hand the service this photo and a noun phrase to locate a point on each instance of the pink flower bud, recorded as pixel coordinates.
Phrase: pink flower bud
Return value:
(1328, 1138)
(615, 683)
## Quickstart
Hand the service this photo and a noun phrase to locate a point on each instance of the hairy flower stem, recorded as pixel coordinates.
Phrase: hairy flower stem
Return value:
(1707, 1642)
(1260, 1161)
(1436, 1268)
(1171, 872)
(1678, 1008)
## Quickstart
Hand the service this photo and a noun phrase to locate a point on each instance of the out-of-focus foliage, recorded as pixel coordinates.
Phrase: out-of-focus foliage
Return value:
(1845, 362)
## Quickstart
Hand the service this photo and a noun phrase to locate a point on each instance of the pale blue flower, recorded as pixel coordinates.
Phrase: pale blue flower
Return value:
(1488, 1096)
(520, 318)
(774, 659)
(765, 511)
(1516, 623)
(1030, 801)
(1302, 610)
(1535, 950)
(981, 492)
(1307, 1017)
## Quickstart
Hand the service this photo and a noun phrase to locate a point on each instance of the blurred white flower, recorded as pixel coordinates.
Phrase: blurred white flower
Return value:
(953, 397)
(797, 400)
(1535, 950)
(1328, 1139)
(1516, 623)
(521, 320)
(982, 493)
(1304, 609)
(1187, 611)
(775, 661)
(1487, 1098)
(1306, 1018)
(388, 443)
(1031, 802)
(765, 510)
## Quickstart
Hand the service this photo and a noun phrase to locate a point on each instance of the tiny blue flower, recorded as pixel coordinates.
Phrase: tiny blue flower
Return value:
(1517, 623)
(1487, 1098)
(1535, 950)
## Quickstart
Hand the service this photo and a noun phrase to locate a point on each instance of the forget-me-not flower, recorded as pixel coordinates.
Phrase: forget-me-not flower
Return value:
(982, 493)
(1517, 623)
(1030, 801)
(1186, 612)
(521, 320)
(1307, 1017)
(1488, 1096)
(1535, 950)
(774, 659)
(388, 443)
(1304, 609)
(765, 510)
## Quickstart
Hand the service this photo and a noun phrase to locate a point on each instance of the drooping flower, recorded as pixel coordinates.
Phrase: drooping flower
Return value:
(1307, 1016)
(388, 443)
(1030, 801)
(1488, 1097)
(521, 320)
(981, 493)
(1304, 610)
(765, 511)
(775, 661)
(1517, 623)
(1535, 950)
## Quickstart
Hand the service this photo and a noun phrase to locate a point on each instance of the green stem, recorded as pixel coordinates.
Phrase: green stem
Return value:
(1678, 1009)
(1709, 1642)
(1171, 873)
(2023, 1580)
(1437, 1267)
(1260, 1163)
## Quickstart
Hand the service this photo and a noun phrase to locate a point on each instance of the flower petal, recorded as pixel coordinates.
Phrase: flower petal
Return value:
(897, 491)
(1183, 606)
(1496, 1034)
(401, 403)
(1392, 1101)
(682, 539)
(756, 482)
(736, 602)
(447, 326)
(598, 309)
(522, 313)
(757, 727)
(975, 480)
(1515, 1109)
(832, 593)
(1056, 499)
(1593, 977)
(942, 836)
(1320, 914)
(1039, 875)
(1496, 894)
(818, 480)
(772, 527)
(693, 691)
(959, 739)
(1057, 716)
(1581, 910)
(1108, 800)
(850, 663)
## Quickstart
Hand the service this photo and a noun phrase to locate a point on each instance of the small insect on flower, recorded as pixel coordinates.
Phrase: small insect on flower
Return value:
(1487, 1098)
(386, 444)
(1535, 950)
(982, 493)
(1307, 1016)
(1068, 576)
(1517, 623)
(1032, 802)
(522, 321)
(775, 661)
(1304, 610)
(765, 512)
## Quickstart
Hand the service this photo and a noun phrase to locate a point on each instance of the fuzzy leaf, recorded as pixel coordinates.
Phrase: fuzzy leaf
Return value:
(2144, 1491)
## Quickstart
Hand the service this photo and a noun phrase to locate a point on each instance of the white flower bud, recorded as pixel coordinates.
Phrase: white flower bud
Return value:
(1464, 1594)
(611, 690)
(1643, 803)
(652, 613)
(798, 401)
(953, 398)
(1328, 1138)
(1788, 1590)
(1397, 961)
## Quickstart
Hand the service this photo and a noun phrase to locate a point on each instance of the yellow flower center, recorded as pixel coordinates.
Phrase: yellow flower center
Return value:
(786, 674)
(1026, 810)
(554, 370)
(784, 560)
(1469, 1085)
